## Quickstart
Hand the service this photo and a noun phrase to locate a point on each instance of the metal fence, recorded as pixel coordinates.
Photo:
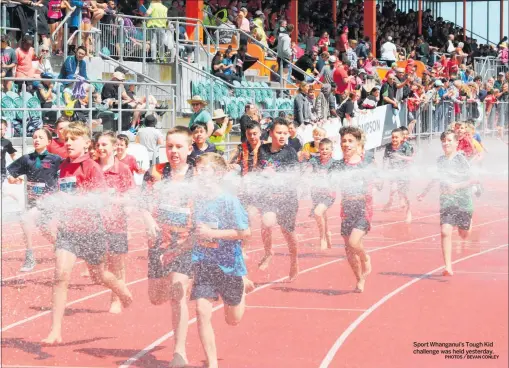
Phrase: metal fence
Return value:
(489, 67)
(429, 120)
(24, 113)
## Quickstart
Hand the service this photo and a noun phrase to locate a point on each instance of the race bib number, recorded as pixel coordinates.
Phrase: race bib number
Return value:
(210, 243)
(35, 190)
(175, 216)
(68, 185)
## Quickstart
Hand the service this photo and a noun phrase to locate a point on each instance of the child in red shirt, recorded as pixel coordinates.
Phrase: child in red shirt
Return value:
(119, 180)
(57, 146)
(79, 233)
(129, 160)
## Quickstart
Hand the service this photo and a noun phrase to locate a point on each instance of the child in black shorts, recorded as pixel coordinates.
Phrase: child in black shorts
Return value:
(278, 162)
(456, 204)
(219, 269)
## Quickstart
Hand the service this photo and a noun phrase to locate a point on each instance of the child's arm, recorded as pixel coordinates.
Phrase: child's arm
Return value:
(150, 224)
(421, 196)
(205, 232)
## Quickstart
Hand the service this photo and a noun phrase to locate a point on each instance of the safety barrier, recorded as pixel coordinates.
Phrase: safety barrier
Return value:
(24, 112)
(489, 67)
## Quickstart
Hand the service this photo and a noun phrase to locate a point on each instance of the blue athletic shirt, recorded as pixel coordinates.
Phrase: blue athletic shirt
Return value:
(224, 213)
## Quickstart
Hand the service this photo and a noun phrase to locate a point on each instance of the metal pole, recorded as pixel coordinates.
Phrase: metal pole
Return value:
(119, 108)
(90, 107)
(66, 38)
(36, 38)
(177, 46)
(172, 98)
(24, 121)
(471, 19)
(501, 19)
(4, 18)
(487, 21)
(144, 64)
(121, 40)
(80, 20)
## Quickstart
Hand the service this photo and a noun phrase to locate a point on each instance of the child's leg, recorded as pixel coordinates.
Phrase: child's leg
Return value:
(208, 340)
(116, 265)
(291, 239)
(100, 275)
(328, 234)
(392, 192)
(28, 222)
(64, 264)
(179, 284)
(321, 222)
(269, 220)
(355, 243)
(403, 195)
(446, 240)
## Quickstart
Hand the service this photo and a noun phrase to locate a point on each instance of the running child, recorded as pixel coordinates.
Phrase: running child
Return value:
(456, 204)
(279, 202)
(200, 144)
(397, 157)
(322, 197)
(119, 180)
(41, 169)
(356, 202)
(168, 219)
(57, 146)
(221, 226)
(79, 233)
(311, 149)
(129, 160)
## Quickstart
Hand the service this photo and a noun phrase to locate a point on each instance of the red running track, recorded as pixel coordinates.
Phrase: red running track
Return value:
(315, 321)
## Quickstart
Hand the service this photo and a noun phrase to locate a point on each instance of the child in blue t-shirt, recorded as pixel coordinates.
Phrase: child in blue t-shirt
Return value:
(219, 269)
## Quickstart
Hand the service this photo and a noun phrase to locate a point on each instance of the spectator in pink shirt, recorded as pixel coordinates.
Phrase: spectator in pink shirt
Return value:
(25, 54)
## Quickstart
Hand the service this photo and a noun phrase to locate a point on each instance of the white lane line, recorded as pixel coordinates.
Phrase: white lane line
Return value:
(304, 308)
(42, 314)
(165, 337)
(334, 349)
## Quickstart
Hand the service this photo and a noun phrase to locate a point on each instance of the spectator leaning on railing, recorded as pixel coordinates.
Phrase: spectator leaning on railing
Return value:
(74, 65)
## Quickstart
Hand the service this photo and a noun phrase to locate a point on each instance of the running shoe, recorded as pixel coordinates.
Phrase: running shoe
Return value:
(28, 265)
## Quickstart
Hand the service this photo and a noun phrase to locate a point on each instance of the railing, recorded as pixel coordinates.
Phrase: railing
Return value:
(64, 21)
(186, 70)
(432, 119)
(489, 67)
(3, 24)
(29, 107)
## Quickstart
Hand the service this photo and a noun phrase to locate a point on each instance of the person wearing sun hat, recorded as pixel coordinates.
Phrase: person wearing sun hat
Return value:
(200, 115)
(222, 126)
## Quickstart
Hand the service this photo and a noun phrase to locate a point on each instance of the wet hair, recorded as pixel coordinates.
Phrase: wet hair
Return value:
(60, 120)
(124, 138)
(326, 142)
(78, 129)
(397, 130)
(217, 161)
(45, 131)
(446, 133)
(278, 121)
(198, 125)
(181, 130)
(110, 134)
(356, 132)
(253, 125)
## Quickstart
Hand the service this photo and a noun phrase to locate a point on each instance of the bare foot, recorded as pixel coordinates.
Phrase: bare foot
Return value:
(387, 207)
(447, 273)
(408, 219)
(178, 361)
(264, 263)
(323, 244)
(126, 299)
(85, 272)
(248, 285)
(329, 240)
(116, 307)
(366, 266)
(294, 272)
(244, 254)
(52, 339)
(360, 286)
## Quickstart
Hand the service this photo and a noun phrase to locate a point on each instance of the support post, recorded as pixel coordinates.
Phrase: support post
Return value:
(419, 18)
(472, 19)
(501, 19)
(294, 19)
(334, 17)
(465, 20)
(194, 9)
(370, 23)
